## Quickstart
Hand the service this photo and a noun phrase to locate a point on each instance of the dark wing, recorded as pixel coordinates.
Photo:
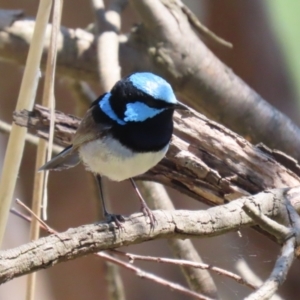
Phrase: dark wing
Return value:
(94, 125)
(66, 159)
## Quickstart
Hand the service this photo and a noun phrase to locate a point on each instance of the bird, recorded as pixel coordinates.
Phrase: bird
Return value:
(124, 133)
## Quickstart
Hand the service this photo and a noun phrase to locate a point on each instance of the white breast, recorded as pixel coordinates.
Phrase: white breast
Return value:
(109, 158)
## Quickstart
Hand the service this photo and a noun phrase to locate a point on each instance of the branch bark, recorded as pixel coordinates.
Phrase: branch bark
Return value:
(205, 161)
(77, 242)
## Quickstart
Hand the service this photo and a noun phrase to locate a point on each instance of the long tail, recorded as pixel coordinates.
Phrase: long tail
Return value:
(66, 159)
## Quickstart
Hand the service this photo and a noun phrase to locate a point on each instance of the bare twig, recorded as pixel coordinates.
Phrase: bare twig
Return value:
(182, 262)
(281, 232)
(39, 220)
(145, 275)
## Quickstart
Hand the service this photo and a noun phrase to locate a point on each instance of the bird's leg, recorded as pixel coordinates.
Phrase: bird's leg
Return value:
(145, 209)
(108, 216)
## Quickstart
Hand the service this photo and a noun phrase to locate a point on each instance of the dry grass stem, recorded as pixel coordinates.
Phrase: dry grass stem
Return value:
(40, 180)
(14, 151)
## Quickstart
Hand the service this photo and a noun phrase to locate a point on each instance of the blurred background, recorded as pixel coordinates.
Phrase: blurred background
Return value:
(266, 40)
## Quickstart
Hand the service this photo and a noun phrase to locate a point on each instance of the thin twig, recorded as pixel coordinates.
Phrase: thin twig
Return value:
(27, 218)
(142, 274)
(182, 262)
(281, 232)
(49, 229)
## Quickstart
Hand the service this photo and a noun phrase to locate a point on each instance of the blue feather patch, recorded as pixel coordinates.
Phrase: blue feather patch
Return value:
(139, 112)
(154, 86)
(107, 109)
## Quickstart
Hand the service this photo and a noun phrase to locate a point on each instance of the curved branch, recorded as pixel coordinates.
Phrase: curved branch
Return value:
(175, 52)
(76, 242)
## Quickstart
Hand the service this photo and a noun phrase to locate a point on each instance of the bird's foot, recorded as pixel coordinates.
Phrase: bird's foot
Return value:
(147, 212)
(117, 219)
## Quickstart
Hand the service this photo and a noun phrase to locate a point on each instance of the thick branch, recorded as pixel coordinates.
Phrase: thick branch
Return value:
(86, 239)
(168, 46)
(206, 161)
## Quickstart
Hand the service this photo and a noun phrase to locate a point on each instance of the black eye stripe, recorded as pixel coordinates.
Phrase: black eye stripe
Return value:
(154, 103)
(124, 92)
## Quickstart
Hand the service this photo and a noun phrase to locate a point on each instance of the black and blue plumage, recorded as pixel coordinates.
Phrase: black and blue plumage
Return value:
(126, 131)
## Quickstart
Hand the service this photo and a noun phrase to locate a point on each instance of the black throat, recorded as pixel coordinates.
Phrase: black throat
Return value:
(150, 135)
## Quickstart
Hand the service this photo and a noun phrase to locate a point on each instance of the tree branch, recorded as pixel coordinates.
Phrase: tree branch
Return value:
(77, 242)
(205, 161)
(198, 76)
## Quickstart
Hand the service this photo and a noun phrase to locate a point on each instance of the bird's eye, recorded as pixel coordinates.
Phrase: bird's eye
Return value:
(155, 103)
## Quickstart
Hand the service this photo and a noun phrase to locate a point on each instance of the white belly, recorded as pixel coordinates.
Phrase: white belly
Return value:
(109, 158)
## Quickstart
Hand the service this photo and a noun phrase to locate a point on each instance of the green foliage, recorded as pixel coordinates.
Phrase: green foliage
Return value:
(286, 21)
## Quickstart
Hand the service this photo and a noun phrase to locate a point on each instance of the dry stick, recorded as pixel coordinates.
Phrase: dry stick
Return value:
(198, 280)
(38, 219)
(26, 98)
(41, 178)
(144, 275)
(182, 262)
(108, 24)
(32, 139)
(281, 232)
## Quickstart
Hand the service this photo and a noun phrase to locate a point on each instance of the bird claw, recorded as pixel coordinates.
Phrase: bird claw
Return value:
(117, 219)
(147, 212)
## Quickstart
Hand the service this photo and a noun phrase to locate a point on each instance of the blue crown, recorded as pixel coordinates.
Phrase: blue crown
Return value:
(154, 86)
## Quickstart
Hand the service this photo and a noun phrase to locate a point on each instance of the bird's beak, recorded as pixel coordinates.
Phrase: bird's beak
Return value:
(180, 105)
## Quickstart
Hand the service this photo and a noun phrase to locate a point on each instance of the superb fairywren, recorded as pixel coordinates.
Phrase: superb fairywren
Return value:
(125, 132)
